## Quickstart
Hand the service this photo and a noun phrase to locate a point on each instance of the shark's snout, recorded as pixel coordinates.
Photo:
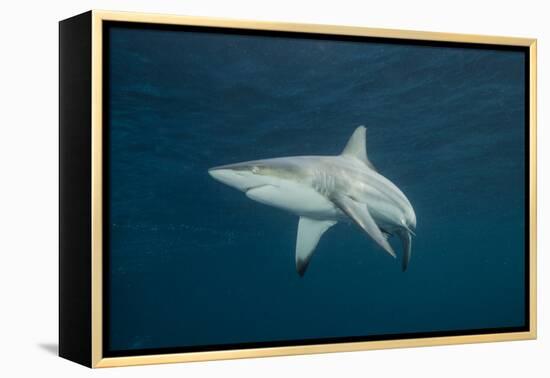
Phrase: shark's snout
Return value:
(219, 174)
(234, 175)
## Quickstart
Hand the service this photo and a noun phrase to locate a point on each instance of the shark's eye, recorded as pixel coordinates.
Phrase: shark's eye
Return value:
(255, 169)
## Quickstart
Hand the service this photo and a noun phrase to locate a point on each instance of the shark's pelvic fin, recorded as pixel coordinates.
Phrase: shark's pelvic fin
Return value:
(309, 233)
(405, 236)
(357, 146)
(360, 214)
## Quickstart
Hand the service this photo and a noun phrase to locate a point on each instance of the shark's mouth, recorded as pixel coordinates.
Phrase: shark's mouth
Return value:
(256, 187)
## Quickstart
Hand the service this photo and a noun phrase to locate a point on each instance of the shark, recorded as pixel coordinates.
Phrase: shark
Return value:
(325, 190)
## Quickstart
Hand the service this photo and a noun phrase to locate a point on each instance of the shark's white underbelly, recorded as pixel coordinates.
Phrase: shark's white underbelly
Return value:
(305, 201)
(299, 199)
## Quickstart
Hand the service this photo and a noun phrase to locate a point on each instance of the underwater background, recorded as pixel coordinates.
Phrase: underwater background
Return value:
(193, 262)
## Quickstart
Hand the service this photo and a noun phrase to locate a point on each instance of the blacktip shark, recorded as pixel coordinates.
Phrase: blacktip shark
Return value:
(324, 190)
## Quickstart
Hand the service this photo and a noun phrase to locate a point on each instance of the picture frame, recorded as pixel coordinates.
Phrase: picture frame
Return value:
(89, 313)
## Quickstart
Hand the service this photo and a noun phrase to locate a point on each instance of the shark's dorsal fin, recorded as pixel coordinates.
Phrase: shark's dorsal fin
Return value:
(359, 213)
(309, 233)
(357, 146)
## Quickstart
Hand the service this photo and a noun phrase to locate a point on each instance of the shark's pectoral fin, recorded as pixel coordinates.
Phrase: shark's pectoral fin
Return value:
(360, 214)
(309, 233)
(405, 236)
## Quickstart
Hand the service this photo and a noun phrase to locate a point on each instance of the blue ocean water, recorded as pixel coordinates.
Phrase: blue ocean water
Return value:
(194, 262)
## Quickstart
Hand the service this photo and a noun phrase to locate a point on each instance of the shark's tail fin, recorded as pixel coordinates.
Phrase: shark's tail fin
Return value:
(405, 236)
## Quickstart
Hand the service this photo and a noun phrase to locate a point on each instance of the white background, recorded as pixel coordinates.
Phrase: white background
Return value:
(29, 187)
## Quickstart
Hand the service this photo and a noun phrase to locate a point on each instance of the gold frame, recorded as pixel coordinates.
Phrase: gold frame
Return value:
(97, 356)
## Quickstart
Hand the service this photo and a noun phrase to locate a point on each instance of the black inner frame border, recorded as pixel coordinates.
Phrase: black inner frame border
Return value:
(108, 352)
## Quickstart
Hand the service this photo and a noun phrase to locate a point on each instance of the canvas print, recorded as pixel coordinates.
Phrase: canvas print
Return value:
(271, 188)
